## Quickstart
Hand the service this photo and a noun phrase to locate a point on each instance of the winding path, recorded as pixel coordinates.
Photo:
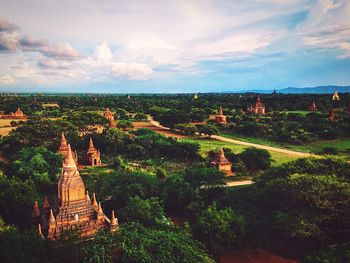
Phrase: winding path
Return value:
(260, 146)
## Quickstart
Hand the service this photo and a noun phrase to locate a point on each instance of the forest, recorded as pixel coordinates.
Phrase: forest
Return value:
(171, 203)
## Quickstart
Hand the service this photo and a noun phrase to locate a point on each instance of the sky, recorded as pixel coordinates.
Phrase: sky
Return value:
(163, 46)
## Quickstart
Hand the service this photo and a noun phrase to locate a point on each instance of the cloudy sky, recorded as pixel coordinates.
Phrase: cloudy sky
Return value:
(172, 46)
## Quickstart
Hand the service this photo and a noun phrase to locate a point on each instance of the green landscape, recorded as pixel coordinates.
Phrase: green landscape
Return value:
(178, 181)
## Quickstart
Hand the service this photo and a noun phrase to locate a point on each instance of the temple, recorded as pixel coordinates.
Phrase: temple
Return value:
(108, 114)
(18, 114)
(313, 107)
(331, 115)
(93, 156)
(335, 96)
(222, 164)
(257, 108)
(74, 209)
(220, 118)
(63, 149)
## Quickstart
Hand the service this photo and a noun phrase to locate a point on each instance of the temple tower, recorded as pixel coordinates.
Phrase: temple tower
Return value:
(63, 149)
(220, 118)
(74, 209)
(335, 96)
(18, 114)
(313, 106)
(257, 108)
(331, 115)
(93, 156)
(222, 164)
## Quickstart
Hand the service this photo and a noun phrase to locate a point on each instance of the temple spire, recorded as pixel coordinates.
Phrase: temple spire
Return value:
(222, 154)
(69, 161)
(40, 232)
(94, 201)
(63, 140)
(36, 210)
(88, 197)
(220, 111)
(52, 218)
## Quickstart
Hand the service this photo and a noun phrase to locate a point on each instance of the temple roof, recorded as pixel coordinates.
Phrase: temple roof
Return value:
(69, 160)
(92, 148)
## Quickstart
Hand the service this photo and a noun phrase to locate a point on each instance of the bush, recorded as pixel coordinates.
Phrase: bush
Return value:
(256, 159)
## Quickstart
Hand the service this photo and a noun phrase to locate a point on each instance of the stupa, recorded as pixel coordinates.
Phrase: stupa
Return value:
(220, 118)
(74, 209)
(222, 164)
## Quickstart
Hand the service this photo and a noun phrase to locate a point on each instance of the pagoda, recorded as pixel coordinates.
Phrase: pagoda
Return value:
(220, 118)
(63, 149)
(222, 164)
(18, 114)
(313, 107)
(331, 115)
(108, 114)
(257, 108)
(74, 209)
(335, 96)
(93, 156)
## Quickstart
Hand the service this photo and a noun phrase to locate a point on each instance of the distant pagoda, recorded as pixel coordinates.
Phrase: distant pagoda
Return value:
(222, 163)
(74, 209)
(93, 156)
(220, 118)
(335, 96)
(331, 115)
(257, 108)
(18, 114)
(313, 106)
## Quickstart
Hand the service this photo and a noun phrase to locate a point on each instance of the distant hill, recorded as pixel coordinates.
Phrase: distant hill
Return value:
(316, 90)
(308, 90)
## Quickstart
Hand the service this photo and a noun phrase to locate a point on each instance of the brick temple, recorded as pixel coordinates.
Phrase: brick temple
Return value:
(93, 156)
(63, 149)
(222, 163)
(74, 209)
(313, 106)
(220, 118)
(257, 108)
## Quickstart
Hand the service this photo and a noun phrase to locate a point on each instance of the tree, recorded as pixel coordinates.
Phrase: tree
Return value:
(203, 176)
(21, 246)
(124, 124)
(148, 212)
(219, 228)
(207, 129)
(256, 159)
(38, 164)
(139, 244)
(16, 201)
(173, 117)
(140, 117)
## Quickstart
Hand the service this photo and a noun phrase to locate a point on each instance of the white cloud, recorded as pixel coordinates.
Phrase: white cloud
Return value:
(7, 80)
(134, 71)
(103, 53)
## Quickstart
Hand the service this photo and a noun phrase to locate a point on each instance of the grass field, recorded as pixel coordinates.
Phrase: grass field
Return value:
(262, 141)
(210, 144)
(5, 126)
(316, 147)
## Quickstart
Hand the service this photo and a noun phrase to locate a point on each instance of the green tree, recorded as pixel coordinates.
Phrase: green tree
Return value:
(38, 164)
(256, 159)
(16, 201)
(139, 244)
(219, 228)
(147, 212)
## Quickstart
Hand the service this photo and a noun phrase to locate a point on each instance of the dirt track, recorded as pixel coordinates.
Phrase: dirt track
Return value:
(224, 139)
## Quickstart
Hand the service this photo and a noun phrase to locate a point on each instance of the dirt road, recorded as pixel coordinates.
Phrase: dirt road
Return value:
(224, 139)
